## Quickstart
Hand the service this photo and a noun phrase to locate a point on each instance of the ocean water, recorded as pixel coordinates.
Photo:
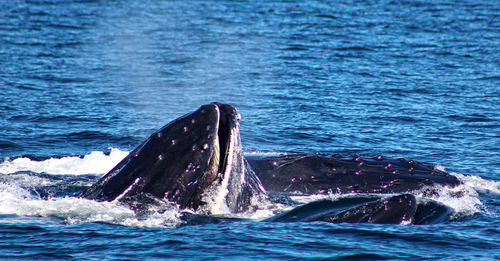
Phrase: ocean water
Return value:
(84, 82)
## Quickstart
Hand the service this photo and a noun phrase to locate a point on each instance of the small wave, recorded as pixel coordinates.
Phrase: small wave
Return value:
(96, 163)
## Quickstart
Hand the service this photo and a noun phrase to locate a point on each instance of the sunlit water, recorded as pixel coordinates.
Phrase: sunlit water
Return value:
(84, 82)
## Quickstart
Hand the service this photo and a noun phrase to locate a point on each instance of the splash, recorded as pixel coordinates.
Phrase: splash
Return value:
(96, 163)
(463, 199)
(18, 194)
(19, 201)
(479, 183)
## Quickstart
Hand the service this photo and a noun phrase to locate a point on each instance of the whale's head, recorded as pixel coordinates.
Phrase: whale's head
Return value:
(193, 160)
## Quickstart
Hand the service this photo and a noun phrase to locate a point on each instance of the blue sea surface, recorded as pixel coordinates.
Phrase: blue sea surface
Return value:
(84, 82)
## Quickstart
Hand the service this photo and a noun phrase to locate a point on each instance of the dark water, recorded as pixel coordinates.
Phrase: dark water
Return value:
(413, 79)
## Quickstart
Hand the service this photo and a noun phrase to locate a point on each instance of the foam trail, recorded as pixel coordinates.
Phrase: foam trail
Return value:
(96, 163)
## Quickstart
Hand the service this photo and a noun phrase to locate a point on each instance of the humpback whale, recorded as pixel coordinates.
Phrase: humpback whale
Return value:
(192, 161)
(320, 174)
(197, 162)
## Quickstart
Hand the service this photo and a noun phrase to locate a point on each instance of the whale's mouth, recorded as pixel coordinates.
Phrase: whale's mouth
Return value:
(181, 162)
(220, 162)
(224, 140)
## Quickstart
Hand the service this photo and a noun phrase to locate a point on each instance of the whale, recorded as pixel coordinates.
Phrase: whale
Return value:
(197, 162)
(326, 174)
(368, 208)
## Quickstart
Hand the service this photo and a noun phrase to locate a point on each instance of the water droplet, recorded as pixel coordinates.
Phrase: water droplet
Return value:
(205, 146)
(275, 163)
(379, 157)
(388, 166)
(194, 147)
(357, 172)
(158, 135)
(357, 159)
(174, 141)
(293, 179)
(160, 157)
(208, 127)
(185, 129)
(361, 163)
(193, 121)
(136, 155)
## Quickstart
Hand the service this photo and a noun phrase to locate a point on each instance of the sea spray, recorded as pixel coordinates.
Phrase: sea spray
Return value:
(95, 163)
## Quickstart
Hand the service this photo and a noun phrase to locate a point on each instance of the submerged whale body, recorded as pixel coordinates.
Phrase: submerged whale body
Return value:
(404, 208)
(196, 162)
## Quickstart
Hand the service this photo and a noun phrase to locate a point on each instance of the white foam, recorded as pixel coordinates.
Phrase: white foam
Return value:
(479, 183)
(18, 201)
(464, 200)
(26, 180)
(15, 196)
(95, 163)
(304, 199)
